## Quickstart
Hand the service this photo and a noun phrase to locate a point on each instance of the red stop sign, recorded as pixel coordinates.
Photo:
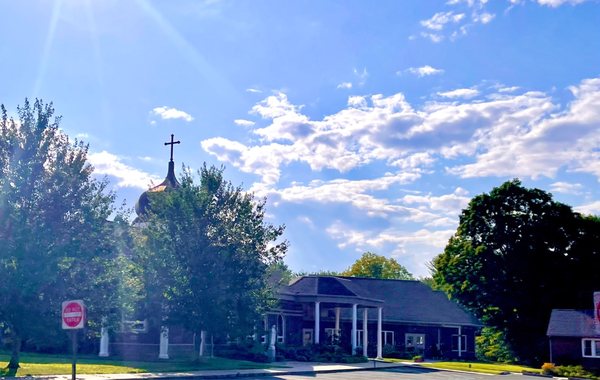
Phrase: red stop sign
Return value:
(73, 314)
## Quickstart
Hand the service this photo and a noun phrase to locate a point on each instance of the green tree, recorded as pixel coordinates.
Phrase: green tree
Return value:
(516, 255)
(491, 346)
(55, 238)
(207, 251)
(321, 272)
(375, 266)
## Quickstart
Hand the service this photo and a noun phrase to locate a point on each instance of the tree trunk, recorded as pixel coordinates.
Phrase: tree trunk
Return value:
(16, 349)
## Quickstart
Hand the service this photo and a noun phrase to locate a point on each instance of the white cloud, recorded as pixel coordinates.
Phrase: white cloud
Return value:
(357, 102)
(541, 143)
(306, 220)
(345, 85)
(498, 134)
(106, 163)
(456, 23)
(509, 89)
(166, 113)
(413, 249)
(254, 90)
(589, 208)
(436, 38)
(244, 123)
(424, 71)
(566, 188)
(460, 93)
(558, 3)
(357, 193)
(439, 20)
(449, 204)
(483, 18)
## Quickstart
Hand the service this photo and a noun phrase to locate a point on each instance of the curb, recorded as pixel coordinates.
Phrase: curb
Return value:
(273, 374)
(144, 376)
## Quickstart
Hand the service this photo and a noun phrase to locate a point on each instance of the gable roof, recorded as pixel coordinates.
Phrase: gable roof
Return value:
(405, 301)
(572, 323)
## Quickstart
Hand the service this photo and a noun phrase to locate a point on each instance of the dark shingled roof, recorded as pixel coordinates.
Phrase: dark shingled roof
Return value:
(572, 323)
(403, 300)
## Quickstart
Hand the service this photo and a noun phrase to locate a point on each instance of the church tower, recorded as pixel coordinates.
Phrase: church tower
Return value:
(170, 183)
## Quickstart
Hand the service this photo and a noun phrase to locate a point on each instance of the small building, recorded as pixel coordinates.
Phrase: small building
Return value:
(373, 317)
(575, 336)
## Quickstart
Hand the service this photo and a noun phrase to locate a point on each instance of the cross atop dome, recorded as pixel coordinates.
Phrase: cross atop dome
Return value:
(172, 143)
(169, 183)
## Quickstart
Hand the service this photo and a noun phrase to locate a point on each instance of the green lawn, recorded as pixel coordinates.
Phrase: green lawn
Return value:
(38, 364)
(492, 368)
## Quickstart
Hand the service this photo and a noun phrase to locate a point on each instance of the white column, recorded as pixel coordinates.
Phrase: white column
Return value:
(379, 333)
(163, 352)
(365, 339)
(202, 350)
(271, 351)
(459, 341)
(104, 339)
(353, 340)
(317, 321)
(337, 321)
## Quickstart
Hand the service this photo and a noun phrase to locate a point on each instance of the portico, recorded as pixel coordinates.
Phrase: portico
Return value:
(328, 304)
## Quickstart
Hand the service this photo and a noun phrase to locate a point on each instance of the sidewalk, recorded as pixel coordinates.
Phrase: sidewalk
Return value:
(292, 368)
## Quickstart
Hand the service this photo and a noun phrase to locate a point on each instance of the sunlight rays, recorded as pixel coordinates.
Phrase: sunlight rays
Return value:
(190, 52)
(47, 47)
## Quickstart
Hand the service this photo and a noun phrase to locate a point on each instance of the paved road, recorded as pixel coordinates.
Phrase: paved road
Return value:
(404, 373)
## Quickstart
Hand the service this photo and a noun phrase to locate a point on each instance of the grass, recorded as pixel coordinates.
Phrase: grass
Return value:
(39, 364)
(491, 368)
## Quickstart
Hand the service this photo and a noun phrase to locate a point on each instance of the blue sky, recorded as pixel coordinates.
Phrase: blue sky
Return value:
(367, 125)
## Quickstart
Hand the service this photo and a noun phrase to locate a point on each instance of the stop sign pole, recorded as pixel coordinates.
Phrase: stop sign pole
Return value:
(73, 318)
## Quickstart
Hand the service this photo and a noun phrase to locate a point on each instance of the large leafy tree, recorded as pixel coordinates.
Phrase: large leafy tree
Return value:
(515, 256)
(56, 243)
(206, 250)
(376, 266)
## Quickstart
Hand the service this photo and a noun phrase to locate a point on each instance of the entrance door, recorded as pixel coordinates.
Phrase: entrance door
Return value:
(307, 336)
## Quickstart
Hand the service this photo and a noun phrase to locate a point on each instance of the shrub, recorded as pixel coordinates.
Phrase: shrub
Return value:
(492, 346)
(574, 371)
(252, 351)
(318, 352)
(353, 359)
(549, 369)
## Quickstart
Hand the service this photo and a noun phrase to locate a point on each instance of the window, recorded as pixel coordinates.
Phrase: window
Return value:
(280, 329)
(463, 342)
(388, 337)
(414, 342)
(590, 348)
(331, 336)
(307, 336)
